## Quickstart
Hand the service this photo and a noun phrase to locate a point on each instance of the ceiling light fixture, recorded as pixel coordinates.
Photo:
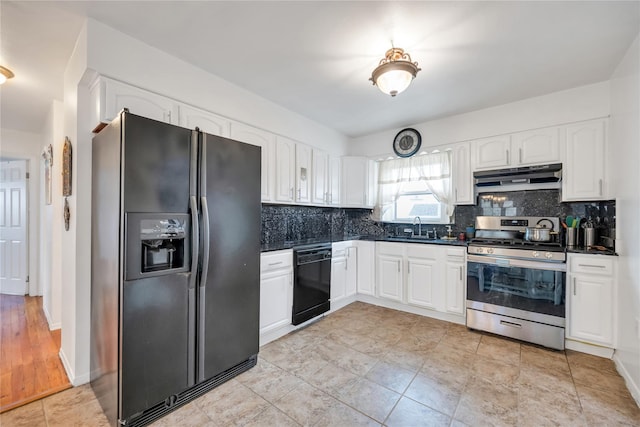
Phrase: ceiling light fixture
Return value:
(5, 74)
(395, 71)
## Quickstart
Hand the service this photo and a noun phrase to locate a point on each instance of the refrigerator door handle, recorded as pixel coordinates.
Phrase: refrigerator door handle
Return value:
(205, 241)
(195, 237)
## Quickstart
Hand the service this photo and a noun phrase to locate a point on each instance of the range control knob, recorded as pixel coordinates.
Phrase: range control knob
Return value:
(479, 250)
(536, 254)
(489, 250)
(548, 255)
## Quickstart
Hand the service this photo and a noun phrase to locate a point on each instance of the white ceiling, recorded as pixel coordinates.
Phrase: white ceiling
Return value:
(315, 58)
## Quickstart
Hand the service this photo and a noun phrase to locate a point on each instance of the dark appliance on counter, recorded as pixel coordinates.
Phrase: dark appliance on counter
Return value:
(175, 281)
(516, 287)
(312, 282)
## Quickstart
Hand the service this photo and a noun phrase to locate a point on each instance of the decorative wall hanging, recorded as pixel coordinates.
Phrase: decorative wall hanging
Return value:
(67, 214)
(47, 156)
(66, 168)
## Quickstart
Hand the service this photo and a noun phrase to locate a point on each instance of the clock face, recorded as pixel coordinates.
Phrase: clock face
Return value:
(407, 142)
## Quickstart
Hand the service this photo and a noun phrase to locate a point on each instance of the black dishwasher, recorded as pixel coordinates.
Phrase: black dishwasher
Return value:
(312, 282)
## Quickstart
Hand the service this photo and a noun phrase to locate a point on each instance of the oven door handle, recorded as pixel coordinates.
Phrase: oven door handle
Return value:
(514, 262)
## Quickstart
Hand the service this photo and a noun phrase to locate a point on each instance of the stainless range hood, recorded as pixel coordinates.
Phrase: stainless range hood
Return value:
(540, 177)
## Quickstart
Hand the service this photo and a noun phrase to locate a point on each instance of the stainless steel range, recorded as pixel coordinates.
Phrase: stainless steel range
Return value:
(516, 287)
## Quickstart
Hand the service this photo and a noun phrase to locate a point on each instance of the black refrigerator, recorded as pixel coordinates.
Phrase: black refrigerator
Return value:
(175, 265)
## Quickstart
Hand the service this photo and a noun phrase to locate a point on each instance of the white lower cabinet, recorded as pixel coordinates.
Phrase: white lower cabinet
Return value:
(276, 290)
(422, 275)
(344, 264)
(365, 277)
(590, 299)
(455, 280)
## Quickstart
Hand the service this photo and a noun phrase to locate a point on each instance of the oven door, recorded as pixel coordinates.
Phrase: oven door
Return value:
(536, 287)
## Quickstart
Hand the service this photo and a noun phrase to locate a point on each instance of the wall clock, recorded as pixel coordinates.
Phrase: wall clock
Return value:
(407, 142)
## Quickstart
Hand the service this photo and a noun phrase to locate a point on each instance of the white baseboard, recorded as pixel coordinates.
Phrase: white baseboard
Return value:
(594, 350)
(634, 388)
(73, 379)
(52, 326)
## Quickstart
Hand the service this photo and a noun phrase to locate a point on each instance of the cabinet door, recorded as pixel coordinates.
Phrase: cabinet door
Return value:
(455, 288)
(285, 169)
(366, 268)
(422, 282)
(303, 173)
(463, 191)
(352, 271)
(354, 181)
(371, 189)
(338, 278)
(333, 181)
(119, 95)
(276, 295)
(540, 146)
(389, 277)
(266, 140)
(584, 172)
(319, 194)
(492, 153)
(191, 118)
(591, 309)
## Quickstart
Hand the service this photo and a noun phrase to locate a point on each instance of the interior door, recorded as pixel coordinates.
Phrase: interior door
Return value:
(13, 227)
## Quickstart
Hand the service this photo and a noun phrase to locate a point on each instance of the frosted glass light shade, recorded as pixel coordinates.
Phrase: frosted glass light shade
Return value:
(395, 72)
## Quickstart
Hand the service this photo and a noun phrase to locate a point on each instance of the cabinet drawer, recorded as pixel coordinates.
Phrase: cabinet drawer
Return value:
(596, 264)
(276, 260)
(456, 254)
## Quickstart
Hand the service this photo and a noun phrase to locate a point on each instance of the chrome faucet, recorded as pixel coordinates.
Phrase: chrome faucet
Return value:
(419, 225)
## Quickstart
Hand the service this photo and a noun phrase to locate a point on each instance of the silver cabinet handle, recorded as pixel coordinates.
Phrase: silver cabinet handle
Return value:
(508, 157)
(510, 324)
(519, 155)
(574, 286)
(299, 193)
(275, 263)
(456, 198)
(461, 273)
(591, 265)
(291, 193)
(399, 266)
(600, 187)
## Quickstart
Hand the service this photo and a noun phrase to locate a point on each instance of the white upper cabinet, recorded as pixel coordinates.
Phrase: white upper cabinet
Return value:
(319, 192)
(266, 140)
(333, 181)
(540, 146)
(492, 153)
(536, 147)
(303, 173)
(285, 170)
(358, 182)
(109, 97)
(463, 192)
(584, 173)
(191, 118)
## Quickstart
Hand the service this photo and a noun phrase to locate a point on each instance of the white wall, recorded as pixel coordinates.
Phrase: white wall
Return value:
(51, 218)
(625, 146)
(25, 145)
(582, 103)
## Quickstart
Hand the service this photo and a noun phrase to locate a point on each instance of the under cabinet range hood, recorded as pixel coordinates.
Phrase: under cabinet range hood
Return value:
(541, 177)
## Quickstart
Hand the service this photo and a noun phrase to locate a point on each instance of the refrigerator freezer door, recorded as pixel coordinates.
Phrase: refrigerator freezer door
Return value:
(229, 298)
(155, 343)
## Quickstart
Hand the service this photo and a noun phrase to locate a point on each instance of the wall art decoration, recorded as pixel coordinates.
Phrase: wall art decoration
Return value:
(47, 156)
(66, 214)
(66, 168)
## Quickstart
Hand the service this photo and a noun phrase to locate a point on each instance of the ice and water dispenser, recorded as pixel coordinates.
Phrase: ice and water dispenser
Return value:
(156, 244)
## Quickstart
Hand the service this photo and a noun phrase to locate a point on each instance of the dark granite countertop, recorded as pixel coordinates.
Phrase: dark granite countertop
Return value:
(291, 244)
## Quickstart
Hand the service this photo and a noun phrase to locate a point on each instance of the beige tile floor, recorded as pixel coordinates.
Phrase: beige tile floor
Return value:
(366, 366)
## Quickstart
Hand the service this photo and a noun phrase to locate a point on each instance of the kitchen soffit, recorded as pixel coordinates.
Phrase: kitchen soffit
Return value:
(315, 58)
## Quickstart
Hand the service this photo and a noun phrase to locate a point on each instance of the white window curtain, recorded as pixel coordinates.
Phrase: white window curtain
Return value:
(434, 169)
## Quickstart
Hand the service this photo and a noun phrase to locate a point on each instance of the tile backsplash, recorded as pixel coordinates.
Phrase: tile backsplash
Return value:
(282, 223)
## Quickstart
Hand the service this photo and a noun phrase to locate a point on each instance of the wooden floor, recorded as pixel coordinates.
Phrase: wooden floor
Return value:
(30, 367)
